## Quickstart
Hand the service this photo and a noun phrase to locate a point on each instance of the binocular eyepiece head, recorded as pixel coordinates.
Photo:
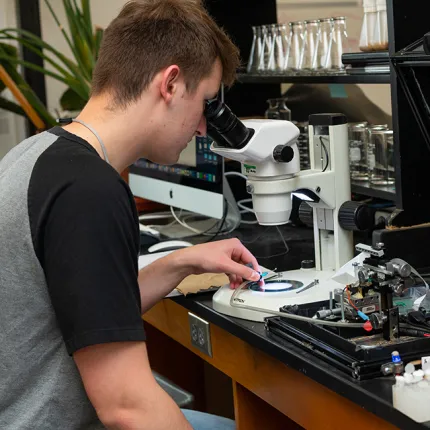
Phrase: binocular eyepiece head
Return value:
(224, 127)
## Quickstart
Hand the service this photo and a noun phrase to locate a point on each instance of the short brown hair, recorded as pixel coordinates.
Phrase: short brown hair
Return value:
(149, 35)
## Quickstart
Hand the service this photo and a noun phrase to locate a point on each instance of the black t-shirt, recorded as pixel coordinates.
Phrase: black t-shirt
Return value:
(85, 232)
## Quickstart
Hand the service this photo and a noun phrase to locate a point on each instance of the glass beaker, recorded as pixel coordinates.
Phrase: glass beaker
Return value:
(284, 111)
(295, 46)
(368, 25)
(272, 111)
(371, 147)
(323, 49)
(307, 62)
(338, 44)
(358, 144)
(380, 35)
(256, 49)
(382, 144)
(278, 49)
(288, 51)
(278, 109)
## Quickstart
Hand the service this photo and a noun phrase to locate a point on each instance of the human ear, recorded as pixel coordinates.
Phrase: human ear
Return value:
(169, 82)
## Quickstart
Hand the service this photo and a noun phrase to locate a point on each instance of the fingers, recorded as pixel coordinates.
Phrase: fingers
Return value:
(240, 270)
(228, 256)
(240, 253)
(235, 281)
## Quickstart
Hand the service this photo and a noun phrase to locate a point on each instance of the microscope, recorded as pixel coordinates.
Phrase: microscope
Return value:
(270, 159)
(354, 324)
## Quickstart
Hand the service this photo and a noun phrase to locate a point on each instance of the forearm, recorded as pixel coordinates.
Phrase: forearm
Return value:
(160, 414)
(161, 277)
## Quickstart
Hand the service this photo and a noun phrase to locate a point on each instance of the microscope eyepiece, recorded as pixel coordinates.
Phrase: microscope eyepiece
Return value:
(224, 127)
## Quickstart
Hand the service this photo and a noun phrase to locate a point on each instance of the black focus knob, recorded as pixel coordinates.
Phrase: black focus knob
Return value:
(306, 214)
(283, 153)
(356, 216)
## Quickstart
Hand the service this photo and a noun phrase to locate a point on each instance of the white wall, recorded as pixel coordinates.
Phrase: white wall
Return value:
(103, 11)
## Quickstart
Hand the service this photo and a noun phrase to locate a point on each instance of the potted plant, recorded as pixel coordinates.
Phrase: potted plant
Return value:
(76, 73)
(28, 104)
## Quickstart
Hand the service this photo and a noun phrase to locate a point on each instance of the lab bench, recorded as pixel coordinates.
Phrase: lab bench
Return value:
(275, 386)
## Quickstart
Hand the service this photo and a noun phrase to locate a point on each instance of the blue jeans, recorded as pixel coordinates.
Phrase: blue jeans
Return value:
(203, 421)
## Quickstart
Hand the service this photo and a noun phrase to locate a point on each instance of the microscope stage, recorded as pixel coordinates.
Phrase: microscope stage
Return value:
(288, 289)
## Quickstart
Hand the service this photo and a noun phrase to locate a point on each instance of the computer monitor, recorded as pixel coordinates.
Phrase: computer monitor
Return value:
(194, 184)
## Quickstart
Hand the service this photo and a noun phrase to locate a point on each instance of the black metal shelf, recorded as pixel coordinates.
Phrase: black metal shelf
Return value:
(381, 78)
(364, 188)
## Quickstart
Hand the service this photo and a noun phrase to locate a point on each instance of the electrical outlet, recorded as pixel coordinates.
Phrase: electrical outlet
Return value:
(200, 334)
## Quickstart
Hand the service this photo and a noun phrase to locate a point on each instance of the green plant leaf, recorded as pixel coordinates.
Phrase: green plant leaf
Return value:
(12, 52)
(72, 83)
(79, 37)
(98, 36)
(38, 42)
(6, 104)
(46, 58)
(73, 48)
(84, 26)
(86, 13)
(72, 101)
(87, 31)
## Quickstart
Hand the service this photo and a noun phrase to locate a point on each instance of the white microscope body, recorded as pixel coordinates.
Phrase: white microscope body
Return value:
(270, 159)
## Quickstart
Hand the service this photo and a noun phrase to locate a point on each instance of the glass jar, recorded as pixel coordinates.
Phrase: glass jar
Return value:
(380, 35)
(307, 63)
(338, 44)
(358, 144)
(381, 172)
(322, 62)
(295, 47)
(266, 45)
(368, 25)
(278, 49)
(256, 50)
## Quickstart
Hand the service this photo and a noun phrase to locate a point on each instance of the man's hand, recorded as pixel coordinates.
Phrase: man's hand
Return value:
(225, 256)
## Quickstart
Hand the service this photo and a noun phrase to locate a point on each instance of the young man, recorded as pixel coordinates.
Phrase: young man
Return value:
(72, 351)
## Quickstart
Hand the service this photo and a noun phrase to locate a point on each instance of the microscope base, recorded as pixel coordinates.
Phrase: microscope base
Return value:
(274, 300)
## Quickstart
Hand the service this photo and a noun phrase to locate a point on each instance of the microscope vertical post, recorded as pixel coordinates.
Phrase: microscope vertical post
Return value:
(328, 145)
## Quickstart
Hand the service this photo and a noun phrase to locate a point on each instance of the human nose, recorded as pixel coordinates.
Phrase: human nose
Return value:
(201, 128)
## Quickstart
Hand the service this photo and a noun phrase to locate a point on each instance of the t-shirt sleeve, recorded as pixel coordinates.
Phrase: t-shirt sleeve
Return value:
(88, 242)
